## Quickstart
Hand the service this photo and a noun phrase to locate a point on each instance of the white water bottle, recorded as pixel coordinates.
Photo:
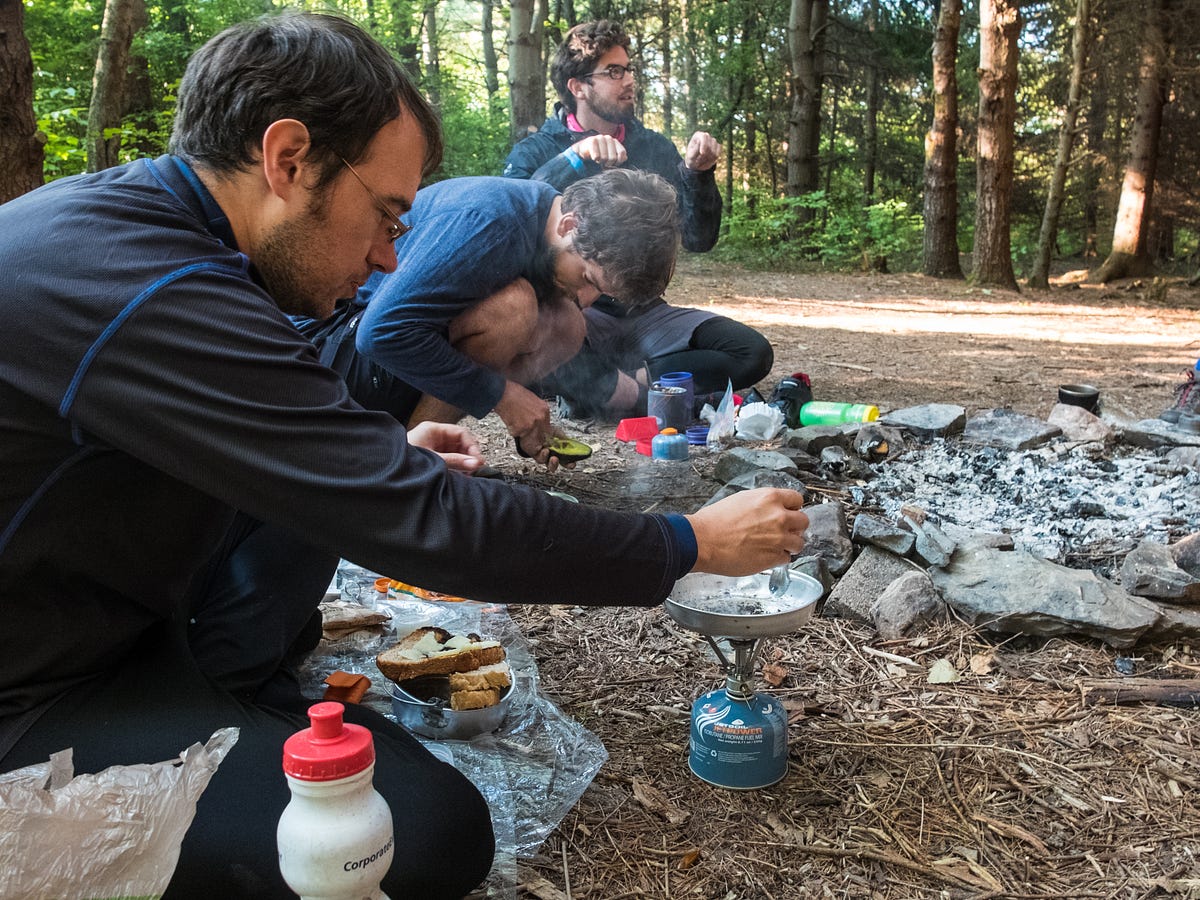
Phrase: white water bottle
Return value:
(335, 836)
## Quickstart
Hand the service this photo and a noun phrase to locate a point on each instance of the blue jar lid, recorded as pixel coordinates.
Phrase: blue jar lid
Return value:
(697, 434)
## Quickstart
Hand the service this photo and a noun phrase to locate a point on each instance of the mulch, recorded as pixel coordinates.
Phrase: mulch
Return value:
(1011, 782)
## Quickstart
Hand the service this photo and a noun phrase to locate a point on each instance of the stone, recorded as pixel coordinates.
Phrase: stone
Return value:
(828, 537)
(930, 543)
(879, 533)
(742, 460)
(858, 589)
(1014, 592)
(906, 604)
(1010, 430)
(1176, 623)
(759, 478)
(1149, 570)
(1157, 433)
(970, 538)
(812, 439)
(803, 460)
(1186, 553)
(929, 420)
(875, 442)
(1185, 457)
(1078, 424)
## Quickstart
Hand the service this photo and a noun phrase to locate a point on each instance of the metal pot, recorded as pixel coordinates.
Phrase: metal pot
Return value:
(423, 707)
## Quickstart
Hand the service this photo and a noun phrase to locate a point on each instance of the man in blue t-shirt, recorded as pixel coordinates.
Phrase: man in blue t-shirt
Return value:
(488, 294)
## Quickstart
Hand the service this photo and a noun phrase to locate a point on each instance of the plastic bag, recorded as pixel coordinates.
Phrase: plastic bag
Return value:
(759, 422)
(720, 427)
(116, 833)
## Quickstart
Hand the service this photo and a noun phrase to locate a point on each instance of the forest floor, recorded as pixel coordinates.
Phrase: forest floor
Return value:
(1005, 784)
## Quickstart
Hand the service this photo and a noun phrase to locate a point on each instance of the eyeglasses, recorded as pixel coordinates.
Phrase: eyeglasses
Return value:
(615, 72)
(395, 228)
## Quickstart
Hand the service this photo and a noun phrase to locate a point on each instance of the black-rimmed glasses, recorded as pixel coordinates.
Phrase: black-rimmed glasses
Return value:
(395, 228)
(615, 72)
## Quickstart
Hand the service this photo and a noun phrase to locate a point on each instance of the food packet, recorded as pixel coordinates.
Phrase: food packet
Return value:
(116, 833)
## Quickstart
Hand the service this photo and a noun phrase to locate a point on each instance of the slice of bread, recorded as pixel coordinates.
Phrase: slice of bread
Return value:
(435, 651)
(497, 675)
(463, 700)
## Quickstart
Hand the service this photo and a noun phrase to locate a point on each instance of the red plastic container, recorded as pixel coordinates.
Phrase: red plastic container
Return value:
(641, 428)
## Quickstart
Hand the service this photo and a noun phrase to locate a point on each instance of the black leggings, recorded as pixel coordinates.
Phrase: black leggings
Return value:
(228, 668)
(720, 350)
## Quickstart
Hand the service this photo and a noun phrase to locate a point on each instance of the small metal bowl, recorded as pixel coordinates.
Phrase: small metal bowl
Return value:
(722, 606)
(423, 707)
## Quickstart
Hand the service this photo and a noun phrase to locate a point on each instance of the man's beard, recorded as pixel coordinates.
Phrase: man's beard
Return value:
(541, 274)
(284, 264)
(617, 112)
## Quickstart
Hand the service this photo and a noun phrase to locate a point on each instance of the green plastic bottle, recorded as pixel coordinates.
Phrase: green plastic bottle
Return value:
(821, 412)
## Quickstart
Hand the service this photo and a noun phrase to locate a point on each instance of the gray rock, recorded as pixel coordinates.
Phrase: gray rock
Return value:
(1008, 429)
(875, 442)
(878, 533)
(930, 420)
(828, 537)
(758, 478)
(1149, 570)
(1157, 433)
(907, 603)
(1078, 424)
(970, 538)
(1186, 553)
(857, 590)
(1017, 592)
(1187, 457)
(804, 461)
(742, 461)
(813, 439)
(1177, 623)
(930, 543)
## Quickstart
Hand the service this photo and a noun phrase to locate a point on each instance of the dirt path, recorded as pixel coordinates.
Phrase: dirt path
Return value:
(899, 340)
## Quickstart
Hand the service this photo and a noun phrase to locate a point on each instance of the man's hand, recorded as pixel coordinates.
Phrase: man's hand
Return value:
(749, 532)
(702, 153)
(453, 443)
(527, 417)
(602, 148)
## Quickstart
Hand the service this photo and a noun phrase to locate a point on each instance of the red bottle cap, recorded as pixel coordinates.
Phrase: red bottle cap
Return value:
(330, 749)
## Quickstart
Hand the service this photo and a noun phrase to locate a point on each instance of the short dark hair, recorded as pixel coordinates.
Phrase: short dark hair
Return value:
(320, 69)
(576, 56)
(626, 221)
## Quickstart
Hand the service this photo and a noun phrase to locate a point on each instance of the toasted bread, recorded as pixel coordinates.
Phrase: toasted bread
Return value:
(497, 675)
(435, 651)
(462, 700)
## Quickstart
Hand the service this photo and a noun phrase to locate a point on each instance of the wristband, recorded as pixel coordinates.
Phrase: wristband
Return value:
(573, 158)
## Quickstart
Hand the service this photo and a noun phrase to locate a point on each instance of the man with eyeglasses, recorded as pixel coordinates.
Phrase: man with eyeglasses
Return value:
(593, 128)
(179, 473)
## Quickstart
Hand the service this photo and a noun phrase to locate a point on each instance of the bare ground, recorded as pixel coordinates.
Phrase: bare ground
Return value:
(1009, 783)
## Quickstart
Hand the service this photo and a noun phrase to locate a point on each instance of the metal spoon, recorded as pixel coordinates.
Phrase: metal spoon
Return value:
(779, 580)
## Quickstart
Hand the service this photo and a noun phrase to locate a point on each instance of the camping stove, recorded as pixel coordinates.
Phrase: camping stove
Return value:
(738, 735)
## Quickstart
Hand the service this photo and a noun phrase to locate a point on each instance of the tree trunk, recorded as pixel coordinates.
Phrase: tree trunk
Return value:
(941, 151)
(1097, 119)
(526, 89)
(20, 141)
(406, 38)
(1040, 275)
(999, 26)
(871, 114)
(1129, 256)
(491, 66)
(433, 56)
(665, 75)
(691, 41)
(805, 26)
(108, 85)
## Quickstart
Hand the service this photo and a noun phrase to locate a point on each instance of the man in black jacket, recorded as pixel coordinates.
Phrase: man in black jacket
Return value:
(593, 128)
(165, 429)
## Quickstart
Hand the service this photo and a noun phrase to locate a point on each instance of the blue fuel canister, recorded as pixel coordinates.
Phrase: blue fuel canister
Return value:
(740, 744)
(669, 444)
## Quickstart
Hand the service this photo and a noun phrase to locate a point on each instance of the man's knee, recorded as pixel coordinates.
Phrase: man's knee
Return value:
(499, 327)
